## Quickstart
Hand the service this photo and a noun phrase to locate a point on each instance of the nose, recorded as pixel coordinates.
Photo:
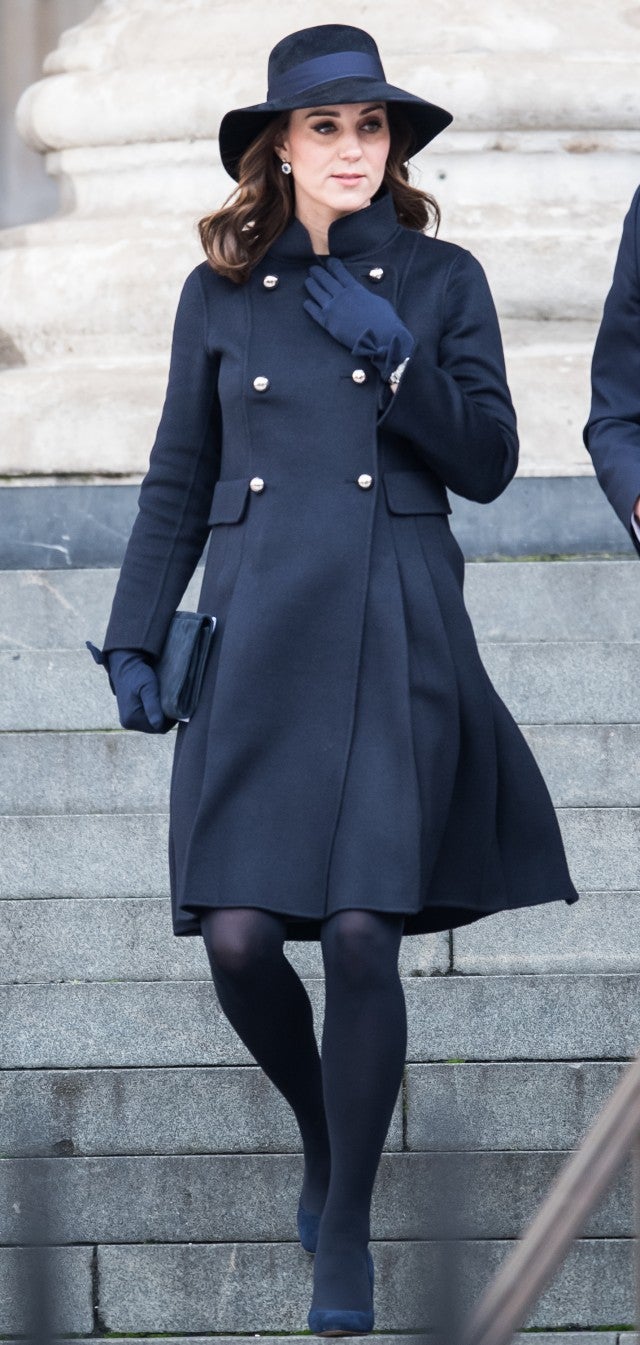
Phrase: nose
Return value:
(351, 149)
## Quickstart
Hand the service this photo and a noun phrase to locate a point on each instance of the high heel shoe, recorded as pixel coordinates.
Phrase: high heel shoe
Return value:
(308, 1226)
(343, 1321)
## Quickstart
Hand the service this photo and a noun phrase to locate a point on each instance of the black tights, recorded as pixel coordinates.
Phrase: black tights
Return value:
(343, 1103)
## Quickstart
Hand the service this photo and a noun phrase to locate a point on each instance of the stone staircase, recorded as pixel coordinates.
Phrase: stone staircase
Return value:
(173, 1164)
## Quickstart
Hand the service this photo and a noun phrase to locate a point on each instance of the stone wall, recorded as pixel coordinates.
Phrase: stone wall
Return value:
(534, 176)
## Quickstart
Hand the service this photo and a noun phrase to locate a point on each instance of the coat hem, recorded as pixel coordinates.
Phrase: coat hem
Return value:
(426, 920)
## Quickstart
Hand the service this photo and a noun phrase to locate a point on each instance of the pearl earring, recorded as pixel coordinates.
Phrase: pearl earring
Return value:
(285, 166)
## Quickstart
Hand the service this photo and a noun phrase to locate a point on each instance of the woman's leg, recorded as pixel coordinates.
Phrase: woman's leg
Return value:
(364, 1045)
(265, 1001)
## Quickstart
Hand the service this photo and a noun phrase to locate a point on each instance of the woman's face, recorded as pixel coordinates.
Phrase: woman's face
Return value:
(337, 153)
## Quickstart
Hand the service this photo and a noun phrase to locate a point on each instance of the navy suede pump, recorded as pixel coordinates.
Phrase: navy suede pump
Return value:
(343, 1321)
(308, 1226)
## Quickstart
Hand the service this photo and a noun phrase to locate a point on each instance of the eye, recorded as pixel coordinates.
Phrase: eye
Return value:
(324, 126)
(373, 122)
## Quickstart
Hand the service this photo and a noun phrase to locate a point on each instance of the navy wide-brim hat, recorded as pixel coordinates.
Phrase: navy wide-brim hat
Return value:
(329, 63)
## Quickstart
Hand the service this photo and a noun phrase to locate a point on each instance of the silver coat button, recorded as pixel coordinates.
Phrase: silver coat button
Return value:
(256, 483)
(364, 481)
(376, 273)
(261, 383)
(270, 282)
(359, 376)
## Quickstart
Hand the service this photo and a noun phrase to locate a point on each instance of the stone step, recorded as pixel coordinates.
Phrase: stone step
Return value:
(253, 1198)
(244, 1286)
(71, 1271)
(238, 1287)
(397, 1338)
(509, 600)
(601, 932)
(97, 1112)
(541, 682)
(89, 771)
(553, 600)
(104, 771)
(124, 855)
(536, 1105)
(568, 682)
(126, 1023)
(60, 609)
(130, 938)
(65, 527)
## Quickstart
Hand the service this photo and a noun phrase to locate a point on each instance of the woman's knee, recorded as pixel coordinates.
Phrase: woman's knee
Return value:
(361, 946)
(239, 939)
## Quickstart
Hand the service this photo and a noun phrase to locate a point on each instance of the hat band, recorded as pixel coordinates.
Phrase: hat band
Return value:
(322, 69)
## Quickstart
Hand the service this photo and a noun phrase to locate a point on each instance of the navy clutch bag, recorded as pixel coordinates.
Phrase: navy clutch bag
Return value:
(181, 664)
(180, 668)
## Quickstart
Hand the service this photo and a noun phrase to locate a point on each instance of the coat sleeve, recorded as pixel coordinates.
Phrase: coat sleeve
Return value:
(612, 432)
(170, 529)
(458, 412)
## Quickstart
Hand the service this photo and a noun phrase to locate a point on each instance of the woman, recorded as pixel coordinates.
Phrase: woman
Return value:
(350, 775)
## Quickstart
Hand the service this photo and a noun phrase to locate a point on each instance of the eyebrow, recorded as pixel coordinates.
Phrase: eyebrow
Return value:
(327, 112)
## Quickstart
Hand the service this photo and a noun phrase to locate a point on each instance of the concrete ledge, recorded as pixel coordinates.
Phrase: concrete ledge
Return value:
(79, 525)
(246, 1286)
(564, 1017)
(253, 1198)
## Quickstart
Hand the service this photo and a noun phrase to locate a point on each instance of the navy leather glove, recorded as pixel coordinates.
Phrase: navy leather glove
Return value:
(365, 323)
(135, 685)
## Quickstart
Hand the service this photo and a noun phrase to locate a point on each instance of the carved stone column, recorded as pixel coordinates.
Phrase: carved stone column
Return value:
(534, 177)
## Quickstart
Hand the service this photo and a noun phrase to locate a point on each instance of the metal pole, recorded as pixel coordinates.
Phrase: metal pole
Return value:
(583, 1180)
(635, 1196)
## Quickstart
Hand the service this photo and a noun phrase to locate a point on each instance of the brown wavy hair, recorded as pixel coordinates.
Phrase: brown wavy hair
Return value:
(237, 236)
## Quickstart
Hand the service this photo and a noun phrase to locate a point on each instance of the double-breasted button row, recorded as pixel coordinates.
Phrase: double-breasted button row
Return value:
(261, 383)
(364, 481)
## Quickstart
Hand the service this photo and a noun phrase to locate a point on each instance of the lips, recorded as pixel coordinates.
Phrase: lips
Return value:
(348, 177)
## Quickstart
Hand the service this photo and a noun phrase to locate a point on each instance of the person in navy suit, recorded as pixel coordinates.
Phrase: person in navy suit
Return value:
(612, 432)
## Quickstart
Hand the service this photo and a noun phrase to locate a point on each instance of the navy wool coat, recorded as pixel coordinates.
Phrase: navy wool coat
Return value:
(612, 432)
(348, 749)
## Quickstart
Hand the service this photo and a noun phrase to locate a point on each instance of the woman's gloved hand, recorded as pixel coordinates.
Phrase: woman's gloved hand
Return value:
(366, 323)
(136, 689)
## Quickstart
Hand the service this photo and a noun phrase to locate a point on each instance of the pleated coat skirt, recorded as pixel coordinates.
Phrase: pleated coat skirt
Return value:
(348, 748)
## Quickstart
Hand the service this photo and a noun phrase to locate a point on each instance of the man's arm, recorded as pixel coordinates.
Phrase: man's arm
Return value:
(612, 432)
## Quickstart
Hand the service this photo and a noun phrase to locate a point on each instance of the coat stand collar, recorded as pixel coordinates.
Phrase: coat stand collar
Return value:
(353, 235)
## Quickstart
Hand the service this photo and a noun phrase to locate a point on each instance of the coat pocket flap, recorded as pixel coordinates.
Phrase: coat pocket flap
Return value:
(229, 501)
(415, 493)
